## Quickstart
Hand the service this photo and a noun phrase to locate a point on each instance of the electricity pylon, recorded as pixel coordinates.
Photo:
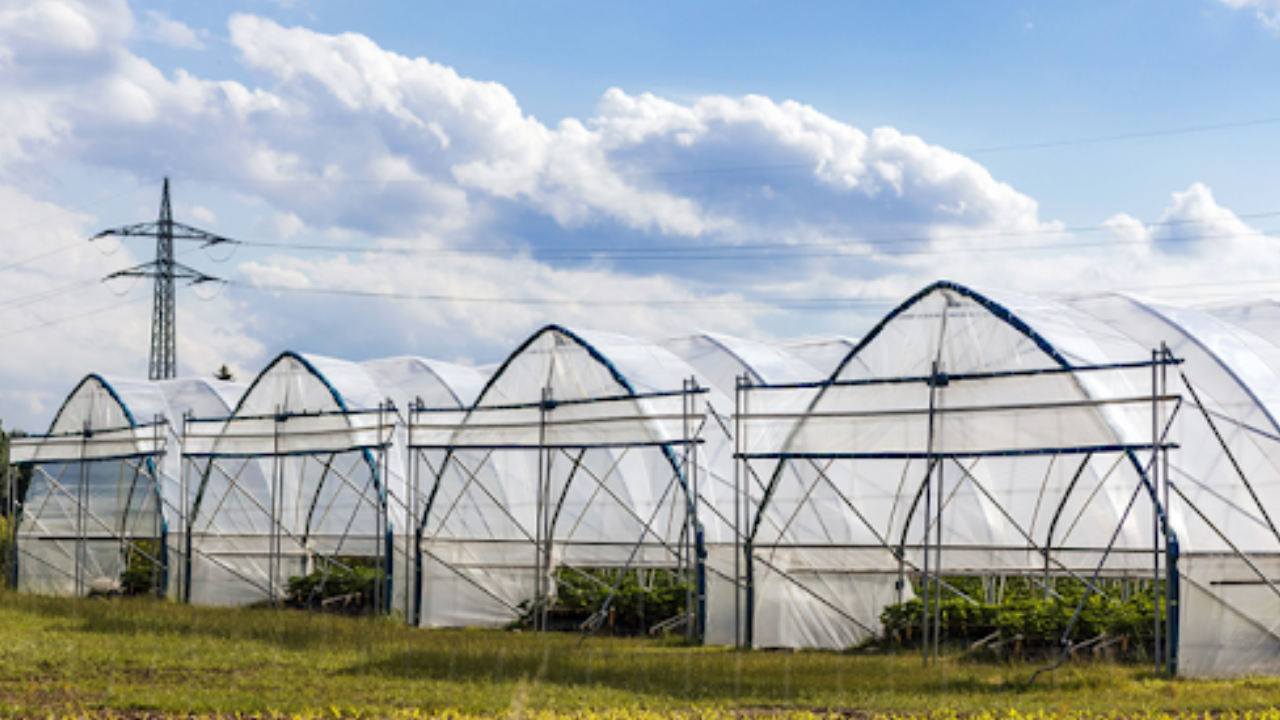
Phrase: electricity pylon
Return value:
(164, 332)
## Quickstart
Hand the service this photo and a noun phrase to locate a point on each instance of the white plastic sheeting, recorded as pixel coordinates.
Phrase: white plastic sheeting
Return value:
(568, 459)
(850, 512)
(106, 482)
(309, 471)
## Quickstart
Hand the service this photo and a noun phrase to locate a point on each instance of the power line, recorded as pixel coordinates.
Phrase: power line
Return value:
(26, 300)
(776, 302)
(1125, 136)
(745, 252)
(64, 212)
(64, 320)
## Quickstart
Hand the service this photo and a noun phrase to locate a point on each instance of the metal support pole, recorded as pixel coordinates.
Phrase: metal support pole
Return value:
(699, 548)
(1155, 506)
(1170, 592)
(160, 553)
(748, 553)
(411, 532)
(937, 566)
(539, 621)
(686, 398)
(379, 524)
(184, 510)
(81, 540)
(928, 518)
(273, 544)
(11, 509)
(737, 512)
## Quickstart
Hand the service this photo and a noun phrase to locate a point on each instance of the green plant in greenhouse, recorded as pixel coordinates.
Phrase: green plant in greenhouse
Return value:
(642, 598)
(352, 580)
(141, 573)
(1035, 621)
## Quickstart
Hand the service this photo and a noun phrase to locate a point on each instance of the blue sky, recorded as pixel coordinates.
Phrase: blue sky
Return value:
(968, 76)
(507, 150)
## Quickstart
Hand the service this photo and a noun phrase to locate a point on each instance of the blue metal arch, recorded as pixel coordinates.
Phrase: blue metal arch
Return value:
(596, 355)
(992, 306)
(106, 385)
(342, 403)
(997, 310)
(562, 330)
(150, 461)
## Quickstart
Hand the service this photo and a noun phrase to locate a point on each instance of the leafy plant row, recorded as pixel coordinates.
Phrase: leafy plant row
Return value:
(1032, 618)
(641, 599)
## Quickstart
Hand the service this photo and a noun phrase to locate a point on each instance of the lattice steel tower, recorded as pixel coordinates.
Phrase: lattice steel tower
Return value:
(165, 270)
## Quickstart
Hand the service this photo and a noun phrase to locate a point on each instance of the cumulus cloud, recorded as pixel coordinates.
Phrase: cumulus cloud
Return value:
(1268, 11)
(163, 29)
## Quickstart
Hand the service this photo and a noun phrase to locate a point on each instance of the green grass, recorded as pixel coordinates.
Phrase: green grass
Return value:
(138, 656)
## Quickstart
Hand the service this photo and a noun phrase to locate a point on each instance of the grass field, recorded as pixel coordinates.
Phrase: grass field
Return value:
(143, 658)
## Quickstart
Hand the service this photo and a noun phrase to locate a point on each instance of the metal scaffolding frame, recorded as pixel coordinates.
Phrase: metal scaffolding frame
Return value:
(930, 496)
(226, 449)
(137, 451)
(540, 428)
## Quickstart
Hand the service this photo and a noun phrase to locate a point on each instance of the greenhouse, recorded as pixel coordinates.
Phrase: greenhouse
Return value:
(307, 476)
(1001, 435)
(106, 495)
(576, 458)
(754, 494)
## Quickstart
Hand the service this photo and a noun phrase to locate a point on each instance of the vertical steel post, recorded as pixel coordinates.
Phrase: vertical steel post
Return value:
(937, 566)
(699, 549)
(928, 521)
(160, 551)
(1155, 505)
(748, 553)
(82, 547)
(685, 399)
(11, 509)
(184, 507)
(539, 593)
(1170, 592)
(273, 543)
(411, 532)
(379, 522)
(737, 512)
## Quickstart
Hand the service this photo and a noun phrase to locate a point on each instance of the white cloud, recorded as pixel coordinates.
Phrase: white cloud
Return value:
(203, 214)
(1268, 11)
(286, 225)
(161, 28)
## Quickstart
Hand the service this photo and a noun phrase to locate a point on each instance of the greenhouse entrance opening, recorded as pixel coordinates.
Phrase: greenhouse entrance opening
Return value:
(910, 498)
(288, 507)
(90, 522)
(563, 514)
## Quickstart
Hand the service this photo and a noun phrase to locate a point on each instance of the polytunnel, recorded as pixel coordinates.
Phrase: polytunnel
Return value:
(105, 495)
(993, 434)
(582, 454)
(307, 475)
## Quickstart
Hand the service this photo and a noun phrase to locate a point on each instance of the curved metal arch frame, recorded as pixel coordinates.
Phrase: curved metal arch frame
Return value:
(1002, 313)
(595, 355)
(618, 377)
(375, 468)
(996, 309)
(152, 467)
